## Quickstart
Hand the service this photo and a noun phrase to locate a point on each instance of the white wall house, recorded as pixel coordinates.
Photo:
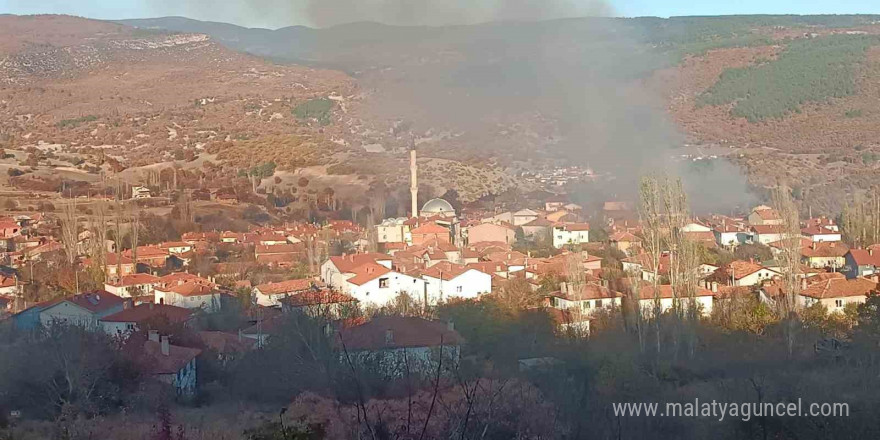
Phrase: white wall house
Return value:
(570, 234)
(703, 298)
(461, 282)
(189, 295)
(382, 286)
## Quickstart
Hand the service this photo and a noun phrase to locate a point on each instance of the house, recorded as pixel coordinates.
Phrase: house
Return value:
(9, 285)
(705, 238)
(703, 299)
(318, 302)
(390, 342)
(135, 285)
(9, 228)
(821, 234)
(231, 237)
(587, 299)
(227, 346)
(497, 232)
(271, 294)
(447, 280)
(742, 273)
(133, 318)
(765, 216)
(766, 234)
(555, 203)
(825, 255)
(430, 232)
(201, 237)
(836, 293)
(375, 284)
(824, 222)
(334, 269)
(861, 262)
(524, 216)
(283, 255)
(187, 291)
(175, 247)
(152, 256)
(569, 321)
(170, 364)
(625, 242)
(392, 230)
(731, 235)
(140, 192)
(118, 265)
(537, 229)
(84, 310)
(570, 234)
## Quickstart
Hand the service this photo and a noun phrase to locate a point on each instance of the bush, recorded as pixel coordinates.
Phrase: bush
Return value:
(317, 109)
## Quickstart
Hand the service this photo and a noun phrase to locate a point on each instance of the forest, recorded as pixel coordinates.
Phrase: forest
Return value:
(809, 70)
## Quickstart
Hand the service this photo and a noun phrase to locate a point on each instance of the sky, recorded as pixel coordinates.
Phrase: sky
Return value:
(229, 10)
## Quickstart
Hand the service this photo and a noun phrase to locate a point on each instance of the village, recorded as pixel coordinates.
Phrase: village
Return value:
(574, 264)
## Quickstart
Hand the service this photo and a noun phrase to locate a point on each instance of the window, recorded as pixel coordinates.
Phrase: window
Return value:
(383, 283)
(838, 303)
(129, 326)
(458, 289)
(586, 305)
(598, 303)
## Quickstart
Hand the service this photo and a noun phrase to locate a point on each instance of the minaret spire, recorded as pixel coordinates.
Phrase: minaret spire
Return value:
(414, 179)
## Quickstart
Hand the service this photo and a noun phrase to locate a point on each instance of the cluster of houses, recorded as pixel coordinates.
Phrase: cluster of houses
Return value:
(436, 255)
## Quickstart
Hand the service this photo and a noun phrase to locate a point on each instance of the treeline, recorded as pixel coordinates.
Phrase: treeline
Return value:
(808, 71)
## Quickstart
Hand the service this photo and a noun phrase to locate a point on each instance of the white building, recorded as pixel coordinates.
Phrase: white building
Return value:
(703, 298)
(570, 234)
(140, 192)
(445, 280)
(140, 284)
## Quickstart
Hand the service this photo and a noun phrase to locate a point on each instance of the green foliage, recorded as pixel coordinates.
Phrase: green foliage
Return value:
(266, 169)
(808, 71)
(854, 113)
(317, 109)
(71, 123)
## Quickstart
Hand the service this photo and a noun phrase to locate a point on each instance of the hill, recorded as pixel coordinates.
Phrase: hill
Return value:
(616, 95)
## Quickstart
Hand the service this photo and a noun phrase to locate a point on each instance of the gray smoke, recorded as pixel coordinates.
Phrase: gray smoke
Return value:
(325, 13)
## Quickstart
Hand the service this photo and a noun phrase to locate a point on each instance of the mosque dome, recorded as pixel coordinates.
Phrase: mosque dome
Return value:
(437, 206)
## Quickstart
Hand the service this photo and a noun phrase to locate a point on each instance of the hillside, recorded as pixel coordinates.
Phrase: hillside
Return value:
(620, 96)
(614, 93)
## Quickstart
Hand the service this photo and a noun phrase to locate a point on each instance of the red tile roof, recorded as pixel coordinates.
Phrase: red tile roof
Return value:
(864, 257)
(430, 228)
(273, 249)
(317, 297)
(839, 288)
(177, 358)
(289, 286)
(647, 291)
(143, 312)
(445, 270)
(768, 229)
(405, 332)
(136, 280)
(624, 236)
(347, 263)
(574, 226)
(818, 230)
(367, 272)
(824, 250)
(95, 302)
(768, 214)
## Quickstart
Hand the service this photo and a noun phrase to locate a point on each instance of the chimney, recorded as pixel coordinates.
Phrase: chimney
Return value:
(389, 337)
(804, 283)
(127, 304)
(563, 287)
(153, 335)
(450, 326)
(871, 251)
(715, 286)
(166, 346)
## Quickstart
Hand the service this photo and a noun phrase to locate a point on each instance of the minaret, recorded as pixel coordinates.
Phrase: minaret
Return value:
(414, 180)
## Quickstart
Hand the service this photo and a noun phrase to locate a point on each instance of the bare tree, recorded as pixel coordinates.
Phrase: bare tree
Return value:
(135, 228)
(69, 230)
(650, 214)
(790, 262)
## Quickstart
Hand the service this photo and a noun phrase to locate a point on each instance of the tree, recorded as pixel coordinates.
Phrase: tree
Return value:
(790, 263)
(69, 230)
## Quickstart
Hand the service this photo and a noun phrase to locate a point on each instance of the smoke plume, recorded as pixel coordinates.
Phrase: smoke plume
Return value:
(325, 13)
